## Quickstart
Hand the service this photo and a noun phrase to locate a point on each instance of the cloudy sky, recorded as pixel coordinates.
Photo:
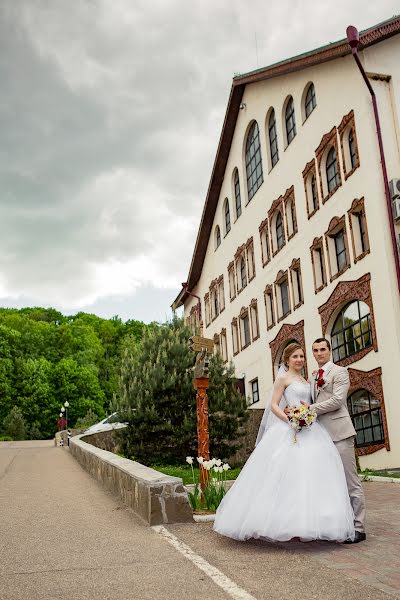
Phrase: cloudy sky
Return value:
(110, 114)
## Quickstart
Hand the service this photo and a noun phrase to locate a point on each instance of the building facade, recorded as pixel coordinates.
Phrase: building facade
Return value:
(294, 241)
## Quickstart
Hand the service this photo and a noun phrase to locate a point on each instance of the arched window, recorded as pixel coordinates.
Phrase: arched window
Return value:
(290, 120)
(238, 199)
(351, 331)
(243, 276)
(366, 414)
(310, 102)
(273, 139)
(217, 237)
(332, 176)
(314, 193)
(280, 237)
(352, 149)
(227, 217)
(254, 171)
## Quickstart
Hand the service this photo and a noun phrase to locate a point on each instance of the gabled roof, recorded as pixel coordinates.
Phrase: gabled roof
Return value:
(368, 37)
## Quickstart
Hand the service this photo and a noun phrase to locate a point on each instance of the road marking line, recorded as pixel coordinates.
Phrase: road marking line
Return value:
(229, 586)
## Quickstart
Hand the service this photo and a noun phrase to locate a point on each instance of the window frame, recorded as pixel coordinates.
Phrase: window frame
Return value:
(356, 415)
(273, 140)
(350, 327)
(290, 121)
(238, 197)
(252, 382)
(307, 102)
(253, 160)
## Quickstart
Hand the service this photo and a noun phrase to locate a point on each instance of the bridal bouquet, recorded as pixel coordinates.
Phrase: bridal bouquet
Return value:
(300, 417)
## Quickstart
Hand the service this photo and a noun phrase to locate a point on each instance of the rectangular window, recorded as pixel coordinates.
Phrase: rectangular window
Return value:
(250, 260)
(361, 228)
(207, 309)
(245, 330)
(284, 289)
(224, 346)
(296, 284)
(269, 307)
(255, 330)
(340, 250)
(255, 396)
(232, 283)
(235, 337)
(221, 294)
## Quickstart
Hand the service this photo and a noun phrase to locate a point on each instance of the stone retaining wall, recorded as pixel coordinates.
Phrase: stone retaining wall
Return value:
(153, 496)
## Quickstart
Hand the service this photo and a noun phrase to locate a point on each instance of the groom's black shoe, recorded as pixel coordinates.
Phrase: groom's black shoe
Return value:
(358, 537)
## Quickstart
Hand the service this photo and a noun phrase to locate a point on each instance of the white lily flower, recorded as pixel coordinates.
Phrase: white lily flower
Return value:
(225, 467)
(200, 460)
(189, 460)
(216, 469)
(220, 469)
(213, 461)
(207, 465)
(218, 462)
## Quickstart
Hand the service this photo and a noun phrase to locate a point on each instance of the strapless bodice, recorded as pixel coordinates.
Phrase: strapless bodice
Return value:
(296, 392)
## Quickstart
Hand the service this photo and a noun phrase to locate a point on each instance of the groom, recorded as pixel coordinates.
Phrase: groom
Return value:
(329, 387)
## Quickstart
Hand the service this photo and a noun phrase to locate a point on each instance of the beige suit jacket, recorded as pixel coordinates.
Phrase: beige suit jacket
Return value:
(331, 403)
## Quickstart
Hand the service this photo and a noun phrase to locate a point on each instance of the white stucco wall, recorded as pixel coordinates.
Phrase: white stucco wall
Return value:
(339, 88)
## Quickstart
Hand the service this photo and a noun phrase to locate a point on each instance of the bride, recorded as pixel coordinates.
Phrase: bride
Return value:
(287, 489)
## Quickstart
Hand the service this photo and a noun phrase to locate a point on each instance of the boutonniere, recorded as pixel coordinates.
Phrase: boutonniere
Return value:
(320, 381)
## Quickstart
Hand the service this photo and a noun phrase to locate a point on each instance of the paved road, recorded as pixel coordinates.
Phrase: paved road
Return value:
(63, 537)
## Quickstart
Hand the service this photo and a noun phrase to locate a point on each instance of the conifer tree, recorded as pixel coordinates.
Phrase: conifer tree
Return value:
(158, 400)
(14, 424)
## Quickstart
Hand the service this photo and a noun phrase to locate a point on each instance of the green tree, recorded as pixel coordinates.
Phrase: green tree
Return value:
(89, 419)
(80, 386)
(158, 401)
(14, 424)
(228, 411)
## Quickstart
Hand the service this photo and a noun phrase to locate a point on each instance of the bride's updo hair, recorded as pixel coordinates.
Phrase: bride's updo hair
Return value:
(287, 353)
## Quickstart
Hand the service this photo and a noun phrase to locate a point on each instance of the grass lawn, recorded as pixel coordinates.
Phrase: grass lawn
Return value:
(395, 475)
(185, 472)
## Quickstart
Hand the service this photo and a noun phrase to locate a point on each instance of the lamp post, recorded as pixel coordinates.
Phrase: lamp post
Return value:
(66, 404)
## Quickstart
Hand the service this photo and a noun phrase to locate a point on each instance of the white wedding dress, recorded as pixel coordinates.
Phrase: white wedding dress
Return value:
(287, 489)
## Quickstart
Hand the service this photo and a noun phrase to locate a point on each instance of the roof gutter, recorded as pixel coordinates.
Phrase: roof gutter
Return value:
(354, 43)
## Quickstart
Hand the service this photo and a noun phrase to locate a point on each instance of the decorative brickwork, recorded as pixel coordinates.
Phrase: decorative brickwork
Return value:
(345, 292)
(287, 333)
(372, 382)
(288, 198)
(347, 124)
(328, 140)
(357, 208)
(335, 226)
(318, 285)
(309, 171)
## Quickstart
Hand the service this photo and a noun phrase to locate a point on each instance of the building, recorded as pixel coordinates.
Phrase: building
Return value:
(294, 241)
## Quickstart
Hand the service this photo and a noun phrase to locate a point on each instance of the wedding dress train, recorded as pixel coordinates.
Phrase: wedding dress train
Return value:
(288, 489)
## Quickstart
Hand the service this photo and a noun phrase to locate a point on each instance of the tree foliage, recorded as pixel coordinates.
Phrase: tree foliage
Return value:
(158, 400)
(47, 358)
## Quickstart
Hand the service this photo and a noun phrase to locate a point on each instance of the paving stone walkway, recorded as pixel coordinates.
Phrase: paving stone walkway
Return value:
(63, 537)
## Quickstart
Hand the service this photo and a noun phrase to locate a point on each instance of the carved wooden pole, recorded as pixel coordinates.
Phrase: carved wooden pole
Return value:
(201, 385)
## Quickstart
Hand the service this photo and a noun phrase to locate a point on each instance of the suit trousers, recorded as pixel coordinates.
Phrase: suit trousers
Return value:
(356, 492)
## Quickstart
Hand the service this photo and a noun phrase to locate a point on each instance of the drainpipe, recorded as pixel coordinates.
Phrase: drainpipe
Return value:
(185, 287)
(354, 42)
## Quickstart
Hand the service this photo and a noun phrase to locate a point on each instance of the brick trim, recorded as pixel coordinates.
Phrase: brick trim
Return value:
(309, 170)
(285, 334)
(346, 291)
(372, 382)
(357, 207)
(328, 139)
(347, 123)
(337, 224)
(318, 243)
